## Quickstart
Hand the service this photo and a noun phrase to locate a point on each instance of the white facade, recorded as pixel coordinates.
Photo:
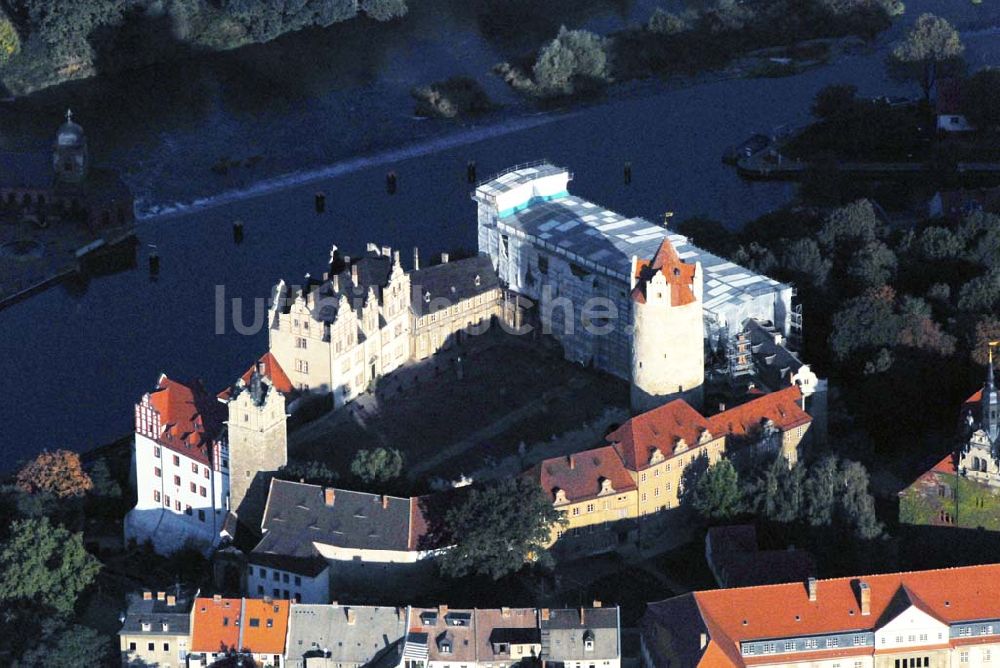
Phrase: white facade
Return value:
(345, 333)
(277, 583)
(572, 258)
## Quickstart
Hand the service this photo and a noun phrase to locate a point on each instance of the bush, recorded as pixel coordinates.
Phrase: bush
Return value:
(667, 23)
(10, 41)
(574, 59)
(451, 98)
(384, 10)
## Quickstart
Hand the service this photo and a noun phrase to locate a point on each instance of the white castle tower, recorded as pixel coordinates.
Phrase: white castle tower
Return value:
(668, 349)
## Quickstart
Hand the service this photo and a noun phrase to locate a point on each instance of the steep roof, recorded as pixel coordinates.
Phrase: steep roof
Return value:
(156, 613)
(269, 369)
(506, 625)
(732, 616)
(265, 625)
(579, 475)
(783, 408)
(297, 516)
(442, 285)
(450, 633)
(190, 419)
(661, 428)
(680, 275)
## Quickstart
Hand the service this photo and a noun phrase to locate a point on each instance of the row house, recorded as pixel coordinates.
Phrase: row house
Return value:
(607, 494)
(223, 628)
(156, 630)
(932, 619)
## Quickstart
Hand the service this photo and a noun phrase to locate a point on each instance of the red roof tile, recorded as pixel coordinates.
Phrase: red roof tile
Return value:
(190, 419)
(661, 428)
(272, 371)
(783, 408)
(579, 475)
(217, 625)
(732, 616)
(679, 275)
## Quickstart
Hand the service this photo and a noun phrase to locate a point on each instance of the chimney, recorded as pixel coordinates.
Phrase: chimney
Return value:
(505, 612)
(395, 257)
(811, 586)
(596, 604)
(326, 276)
(171, 600)
(385, 502)
(722, 406)
(161, 596)
(352, 617)
(328, 495)
(354, 273)
(704, 640)
(334, 604)
(583, 616)
(442, 610)
(545, 614)
(444, 258)
(336, 282)
(217, 598)
(147, 596)
(386, 251)
(571, 461)
(865, 594)
(416, 258)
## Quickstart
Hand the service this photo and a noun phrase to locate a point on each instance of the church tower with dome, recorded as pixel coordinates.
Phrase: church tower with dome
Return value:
(979, 458)
(69, 155)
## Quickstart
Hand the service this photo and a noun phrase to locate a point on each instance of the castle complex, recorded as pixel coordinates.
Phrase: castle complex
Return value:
(580, 263)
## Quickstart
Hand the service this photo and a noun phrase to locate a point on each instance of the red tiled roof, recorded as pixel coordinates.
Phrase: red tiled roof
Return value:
(579, 475)
(661, 428)
(217, 625)
(189, 418)
(732, 616)
(679, 275)
(946, 465)
(272, 371)
(783, 408)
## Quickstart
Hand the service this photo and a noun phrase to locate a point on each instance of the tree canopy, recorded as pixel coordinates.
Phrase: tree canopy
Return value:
(932, 47)
(59, 473)
(499, 528)
(574, 56)
(64, 644)
(378, 465)
(716, 492)
(979, 98)
(44, 564)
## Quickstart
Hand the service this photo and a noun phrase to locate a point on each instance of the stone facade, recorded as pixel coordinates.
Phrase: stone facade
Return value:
(256, 432)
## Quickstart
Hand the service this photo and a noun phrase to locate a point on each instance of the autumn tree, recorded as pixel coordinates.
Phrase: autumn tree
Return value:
(987, 329)
(10, 41)
(58, 473)
(499, 528)
(44, 564)
(932, 47)
(378, 465)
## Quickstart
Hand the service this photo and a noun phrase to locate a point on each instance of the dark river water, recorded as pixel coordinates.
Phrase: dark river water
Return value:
(77, 360)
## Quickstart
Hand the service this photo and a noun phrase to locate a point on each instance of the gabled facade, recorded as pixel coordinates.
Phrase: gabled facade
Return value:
(228, 627)
(939, 619)
(181, 468)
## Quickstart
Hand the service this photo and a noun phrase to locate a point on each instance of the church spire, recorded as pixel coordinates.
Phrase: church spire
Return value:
(989, 404)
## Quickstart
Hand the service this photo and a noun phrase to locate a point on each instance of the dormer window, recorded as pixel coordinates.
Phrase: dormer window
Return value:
(606, 487)
(588, 641)
(427, 297)
(560, 495)
(477, 280)
(446, 647)
(655, 456)
(146, 626)
(680, 445)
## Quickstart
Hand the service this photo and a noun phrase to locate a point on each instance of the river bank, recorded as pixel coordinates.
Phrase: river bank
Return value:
(90, 353)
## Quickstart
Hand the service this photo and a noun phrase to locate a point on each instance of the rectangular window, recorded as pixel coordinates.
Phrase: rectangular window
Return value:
(131, 646)
(177, 460)
(205, 472)
(177, 481)
(202, 491)
(254, 623)
(151, 646)
(166, 500)
(177, 506)
(166, 647)
(298, 581)
(156, 496)
(157, 472)
(201, 514)
(156, 451)
(187, 510)
(194, 487)
(194, 467)
(284, 578)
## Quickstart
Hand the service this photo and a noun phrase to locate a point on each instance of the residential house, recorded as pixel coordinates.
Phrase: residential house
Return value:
(232, 627)
(941, 618)
(581, 637)
(948, 106)
(156, 630)
(345, 636)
